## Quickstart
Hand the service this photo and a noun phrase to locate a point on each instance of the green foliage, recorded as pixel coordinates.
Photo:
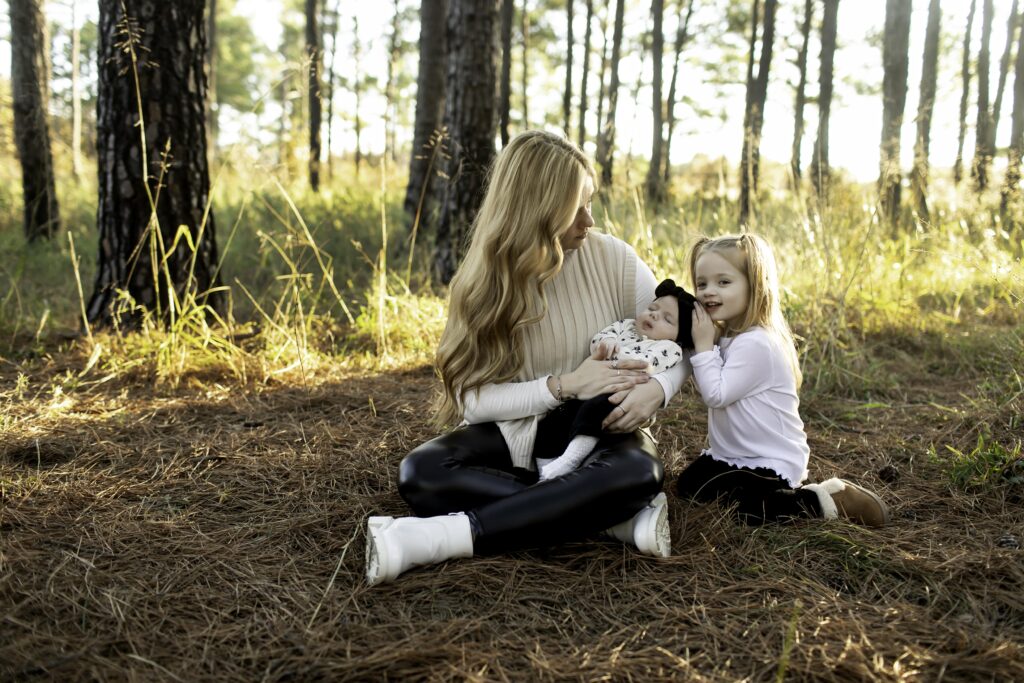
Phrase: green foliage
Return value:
(988, 465)
(239, 63)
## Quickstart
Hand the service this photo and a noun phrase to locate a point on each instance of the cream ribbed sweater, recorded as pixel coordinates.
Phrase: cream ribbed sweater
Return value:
(597, 284)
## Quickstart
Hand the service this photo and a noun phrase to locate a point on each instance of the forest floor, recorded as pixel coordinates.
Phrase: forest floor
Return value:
(214, 530)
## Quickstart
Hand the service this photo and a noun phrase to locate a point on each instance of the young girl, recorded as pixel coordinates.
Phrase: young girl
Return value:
(749, 380)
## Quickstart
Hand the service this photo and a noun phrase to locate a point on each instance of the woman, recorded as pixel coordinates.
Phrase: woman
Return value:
(533, 288)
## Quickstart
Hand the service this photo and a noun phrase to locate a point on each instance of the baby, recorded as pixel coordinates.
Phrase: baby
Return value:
(657, 336)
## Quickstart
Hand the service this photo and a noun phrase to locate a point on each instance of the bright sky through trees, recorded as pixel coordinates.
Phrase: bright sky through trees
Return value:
(856, 115)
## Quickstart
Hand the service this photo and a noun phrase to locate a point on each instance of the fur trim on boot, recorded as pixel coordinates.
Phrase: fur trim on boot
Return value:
(856, 503)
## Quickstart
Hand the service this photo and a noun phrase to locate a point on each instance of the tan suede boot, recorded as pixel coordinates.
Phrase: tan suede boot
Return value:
(856, 503)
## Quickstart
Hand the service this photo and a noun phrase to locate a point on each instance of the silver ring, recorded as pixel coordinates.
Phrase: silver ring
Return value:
(617, 373)
(622, 409)
(615, 365)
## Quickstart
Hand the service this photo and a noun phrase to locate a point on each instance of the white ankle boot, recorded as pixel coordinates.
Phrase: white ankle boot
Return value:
(395, 545)
(647, 529)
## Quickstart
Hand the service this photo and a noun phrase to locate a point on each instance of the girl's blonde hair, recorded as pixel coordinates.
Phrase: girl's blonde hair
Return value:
(533, 194)
(752, 255)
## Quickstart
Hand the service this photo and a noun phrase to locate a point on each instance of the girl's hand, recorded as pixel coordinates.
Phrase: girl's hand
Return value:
(635, 407)
(702, 329)
(596, 376)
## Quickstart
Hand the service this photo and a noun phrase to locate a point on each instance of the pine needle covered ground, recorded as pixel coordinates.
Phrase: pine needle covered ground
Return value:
(214, 529)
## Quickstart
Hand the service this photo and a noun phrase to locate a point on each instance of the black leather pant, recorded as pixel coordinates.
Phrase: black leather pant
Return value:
(470, 470)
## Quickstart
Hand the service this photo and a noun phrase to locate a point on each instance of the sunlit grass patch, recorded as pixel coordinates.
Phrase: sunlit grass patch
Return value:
(988, 465)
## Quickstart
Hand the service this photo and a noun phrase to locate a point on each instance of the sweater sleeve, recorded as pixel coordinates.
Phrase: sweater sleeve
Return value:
(747, 371)
(507, 401)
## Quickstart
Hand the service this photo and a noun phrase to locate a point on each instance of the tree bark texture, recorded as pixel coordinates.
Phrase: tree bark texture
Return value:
(430, 91)
(896, 62)
(654, 186)
(153, 175)
(925, 107)
(682, 35)
(965, 90)
(314, 54)
(606, 142)
(391, 89)
(801, 94)
(471, 120)
(41, 215)
(581, 137)
(567, 94)
(820, 169)
(329, 84)
(505, 87)
(982, 153)
(1004, 69)
(753, 117)
(524, 74)
(76, 95)
(1011, 186)
(211, 75)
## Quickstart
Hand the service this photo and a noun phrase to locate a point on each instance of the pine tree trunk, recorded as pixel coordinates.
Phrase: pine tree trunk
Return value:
(524, 75)
(654, 187)
(606, 141)
(965, 78)
(896, 61)
(471, 120)
(582, 132)
(820, 170)
(1004, 68)
(31, 128)
(357, 91)
(682, 34)
(567, 93)
(926, 104)
(315, 56)
(157, 162)
(76, 95)
(753, 119)
(505, 88)
(982, 153)
(801, 94)
(329, 83)
(390, 92)
(602, 78)
(1011, 187)
(430, 85)
(211, 75)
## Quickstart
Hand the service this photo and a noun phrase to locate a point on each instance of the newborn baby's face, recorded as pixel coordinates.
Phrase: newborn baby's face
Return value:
(661, 319)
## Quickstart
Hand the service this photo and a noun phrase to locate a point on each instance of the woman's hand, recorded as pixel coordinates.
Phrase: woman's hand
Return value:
(703, 330)
(635, 407)
(596, 376)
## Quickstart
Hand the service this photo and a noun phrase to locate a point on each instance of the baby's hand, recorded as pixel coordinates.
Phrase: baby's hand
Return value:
(608, 349)
(703, 329)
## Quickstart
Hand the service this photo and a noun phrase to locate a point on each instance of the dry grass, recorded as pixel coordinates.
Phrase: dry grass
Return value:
(214, 531)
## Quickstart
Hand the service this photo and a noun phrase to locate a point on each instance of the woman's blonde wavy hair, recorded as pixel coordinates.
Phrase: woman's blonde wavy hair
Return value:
(535, 189)
(753, 256)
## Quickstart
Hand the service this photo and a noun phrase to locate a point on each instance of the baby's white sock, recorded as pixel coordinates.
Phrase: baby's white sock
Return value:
(578, 449)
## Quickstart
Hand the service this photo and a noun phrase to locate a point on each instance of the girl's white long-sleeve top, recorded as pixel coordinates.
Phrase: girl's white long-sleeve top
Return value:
(753, 407)
(516, 406)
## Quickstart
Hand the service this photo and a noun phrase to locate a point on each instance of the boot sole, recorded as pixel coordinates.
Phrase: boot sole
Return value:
(656, 542)
(377, 555)
(873, 496)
